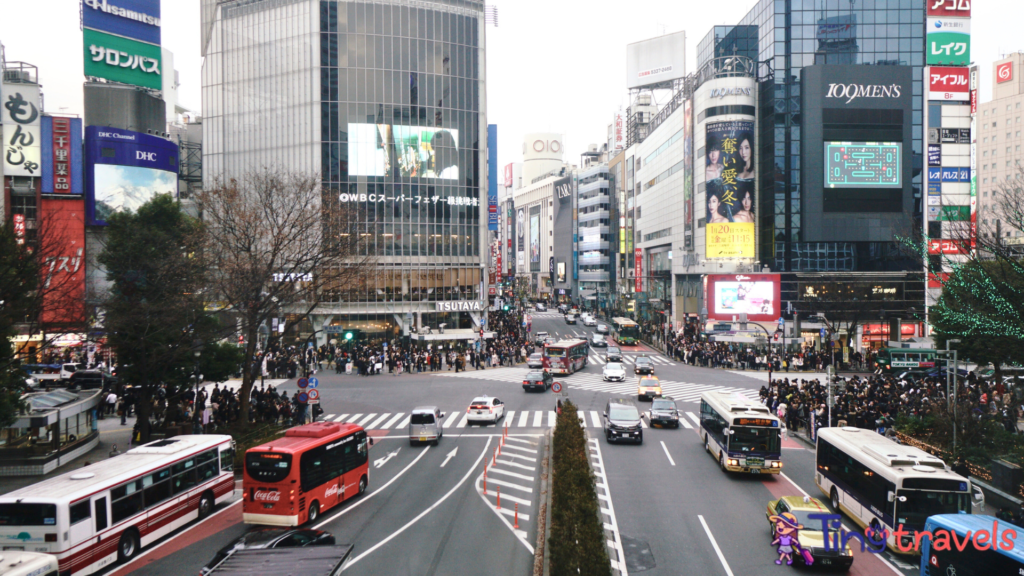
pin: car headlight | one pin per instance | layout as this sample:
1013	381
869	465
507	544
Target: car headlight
776	464
732	462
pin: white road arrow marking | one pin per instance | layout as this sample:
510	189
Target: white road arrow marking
381	461
449	456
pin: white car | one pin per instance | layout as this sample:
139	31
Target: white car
613	371
589	320
602	329
485	410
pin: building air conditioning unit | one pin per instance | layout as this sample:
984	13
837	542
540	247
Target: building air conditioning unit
17	77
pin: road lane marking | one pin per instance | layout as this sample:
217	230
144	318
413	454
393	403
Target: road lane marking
694	418
391	422
512	485
462	423
714	543
511	455
425	512
364	421
375	492
685	423
516	464
341	418
536	418
595	418
377	422
353	419
522	515
522	420
551	419
595	448
494	470
520	448
521	440
508	417
450	456
667	455
451	419
329	416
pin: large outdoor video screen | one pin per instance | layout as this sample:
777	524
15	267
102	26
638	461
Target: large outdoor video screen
408	151
126	188
756	295
125	169
863	164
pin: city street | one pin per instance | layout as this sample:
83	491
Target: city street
424	512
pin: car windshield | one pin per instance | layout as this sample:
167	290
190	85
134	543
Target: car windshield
649	382
422	419
663	405
535	356
534	376
642	360
748	439
613	366
614	350
811	524
620	412
913	507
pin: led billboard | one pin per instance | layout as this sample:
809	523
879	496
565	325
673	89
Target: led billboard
124	170
731	189
407	151
756	295
863	164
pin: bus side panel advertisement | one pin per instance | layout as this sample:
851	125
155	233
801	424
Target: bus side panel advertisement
756	295
124	170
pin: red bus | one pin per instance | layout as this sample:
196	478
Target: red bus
312	469
565	357
92	517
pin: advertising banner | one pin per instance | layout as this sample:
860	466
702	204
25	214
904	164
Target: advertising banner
521	239
756	295
730	181
535	238
63	274
1004	72
492	177
122	60
688	168
22	130
19	228
408	151
618	132
638	271
948	41
124	170
957	8
508	176
934	155
137	19
936	246
62	156
948	83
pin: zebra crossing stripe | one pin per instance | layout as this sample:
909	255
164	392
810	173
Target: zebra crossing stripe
450	419
506	418
364	420
595	418
551	419
694	418
536	419
391	422
685	423
329	416
341	418
405	422
522	419
377	422
462	423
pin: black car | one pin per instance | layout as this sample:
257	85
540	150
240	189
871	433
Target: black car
563	308
613	354
535	361
266	538
570	319
622	421
663	411
598	341
91	380
537	379
643	365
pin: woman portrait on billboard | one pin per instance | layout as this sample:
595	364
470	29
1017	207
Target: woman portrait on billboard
745	191
714	161
746	150
715	209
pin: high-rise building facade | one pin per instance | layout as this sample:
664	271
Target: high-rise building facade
1000	148
385	100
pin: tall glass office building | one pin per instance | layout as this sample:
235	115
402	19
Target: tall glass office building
385	100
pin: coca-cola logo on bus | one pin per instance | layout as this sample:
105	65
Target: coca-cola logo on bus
267	496
331	491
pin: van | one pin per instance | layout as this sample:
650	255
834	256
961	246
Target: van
622	421
66	370
425	425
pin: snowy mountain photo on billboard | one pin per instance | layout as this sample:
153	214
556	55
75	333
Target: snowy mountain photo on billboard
126	188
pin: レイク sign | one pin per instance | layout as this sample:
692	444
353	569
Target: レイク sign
948	83
1004	72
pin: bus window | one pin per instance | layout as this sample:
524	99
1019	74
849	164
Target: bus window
80	512
28	514
101	513
227	459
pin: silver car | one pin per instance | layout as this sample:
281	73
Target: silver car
425	425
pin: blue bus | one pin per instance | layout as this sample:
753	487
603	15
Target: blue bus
1005	559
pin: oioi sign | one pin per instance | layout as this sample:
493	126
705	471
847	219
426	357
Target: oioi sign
122	60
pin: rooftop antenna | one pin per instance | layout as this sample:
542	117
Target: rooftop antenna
491	15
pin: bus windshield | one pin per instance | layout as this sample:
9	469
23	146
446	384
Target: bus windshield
554	352
267	467
913	507
748	439
28	514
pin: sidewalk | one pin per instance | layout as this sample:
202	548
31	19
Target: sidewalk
111	432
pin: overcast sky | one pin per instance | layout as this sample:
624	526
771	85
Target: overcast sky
553	65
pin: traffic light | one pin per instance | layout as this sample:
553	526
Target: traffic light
348	335
505	308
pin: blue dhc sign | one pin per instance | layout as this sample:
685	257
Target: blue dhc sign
138	19
125	169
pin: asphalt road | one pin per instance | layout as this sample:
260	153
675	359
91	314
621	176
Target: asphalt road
673	512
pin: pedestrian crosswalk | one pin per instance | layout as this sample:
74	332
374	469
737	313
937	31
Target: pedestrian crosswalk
507	485
599	358
685	392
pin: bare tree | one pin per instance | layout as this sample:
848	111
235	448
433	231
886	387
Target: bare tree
278	244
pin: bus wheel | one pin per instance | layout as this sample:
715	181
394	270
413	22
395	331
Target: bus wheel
314	512
706	447
835	499
205	505
362	484
129	545
721	461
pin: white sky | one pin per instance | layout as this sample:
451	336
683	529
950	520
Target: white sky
553	65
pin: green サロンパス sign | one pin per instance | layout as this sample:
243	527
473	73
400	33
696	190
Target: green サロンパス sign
122	60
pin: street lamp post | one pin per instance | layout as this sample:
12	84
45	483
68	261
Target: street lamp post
832	363
196	416
952	399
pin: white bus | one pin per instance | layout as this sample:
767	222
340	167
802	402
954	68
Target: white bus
13	563
107	512
882	484
743	435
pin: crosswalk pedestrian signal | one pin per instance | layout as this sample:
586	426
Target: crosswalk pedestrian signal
776	338
348	335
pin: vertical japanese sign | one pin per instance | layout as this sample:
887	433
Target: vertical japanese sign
535	238
729	169
22	133
19	228
520	240
62	156
948	41
492	177
638	276
688	171
974	158
63	273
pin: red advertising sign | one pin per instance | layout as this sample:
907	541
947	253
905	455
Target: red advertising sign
937	280
638	271
876	329
61	155
500	269
1004	72
508	176
62	225
756	295
974	102
946	247
948	8
948	83
19	228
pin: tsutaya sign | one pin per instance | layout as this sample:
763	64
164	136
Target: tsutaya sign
851	92
460	306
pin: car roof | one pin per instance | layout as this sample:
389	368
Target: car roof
642	358
619	364
812	504
424	410
649	377
482	398
621	402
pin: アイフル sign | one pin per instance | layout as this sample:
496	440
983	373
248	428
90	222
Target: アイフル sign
1004	72
948	83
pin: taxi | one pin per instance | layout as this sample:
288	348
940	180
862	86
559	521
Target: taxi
648	388
811	537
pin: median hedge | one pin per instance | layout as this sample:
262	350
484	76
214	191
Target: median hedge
577	544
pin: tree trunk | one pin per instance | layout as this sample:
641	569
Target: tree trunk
143	411
245	390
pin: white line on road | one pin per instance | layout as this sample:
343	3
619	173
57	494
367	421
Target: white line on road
352	419
508	417
509	447
377	422
511	485
495	470
516	464
714	543
536	418
405	422
425	512
595	418
341	418
450	456
694	418
462	423
667	455
365	420
685	423
522	419
451	419
595	446
551	419
375	492
391	422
